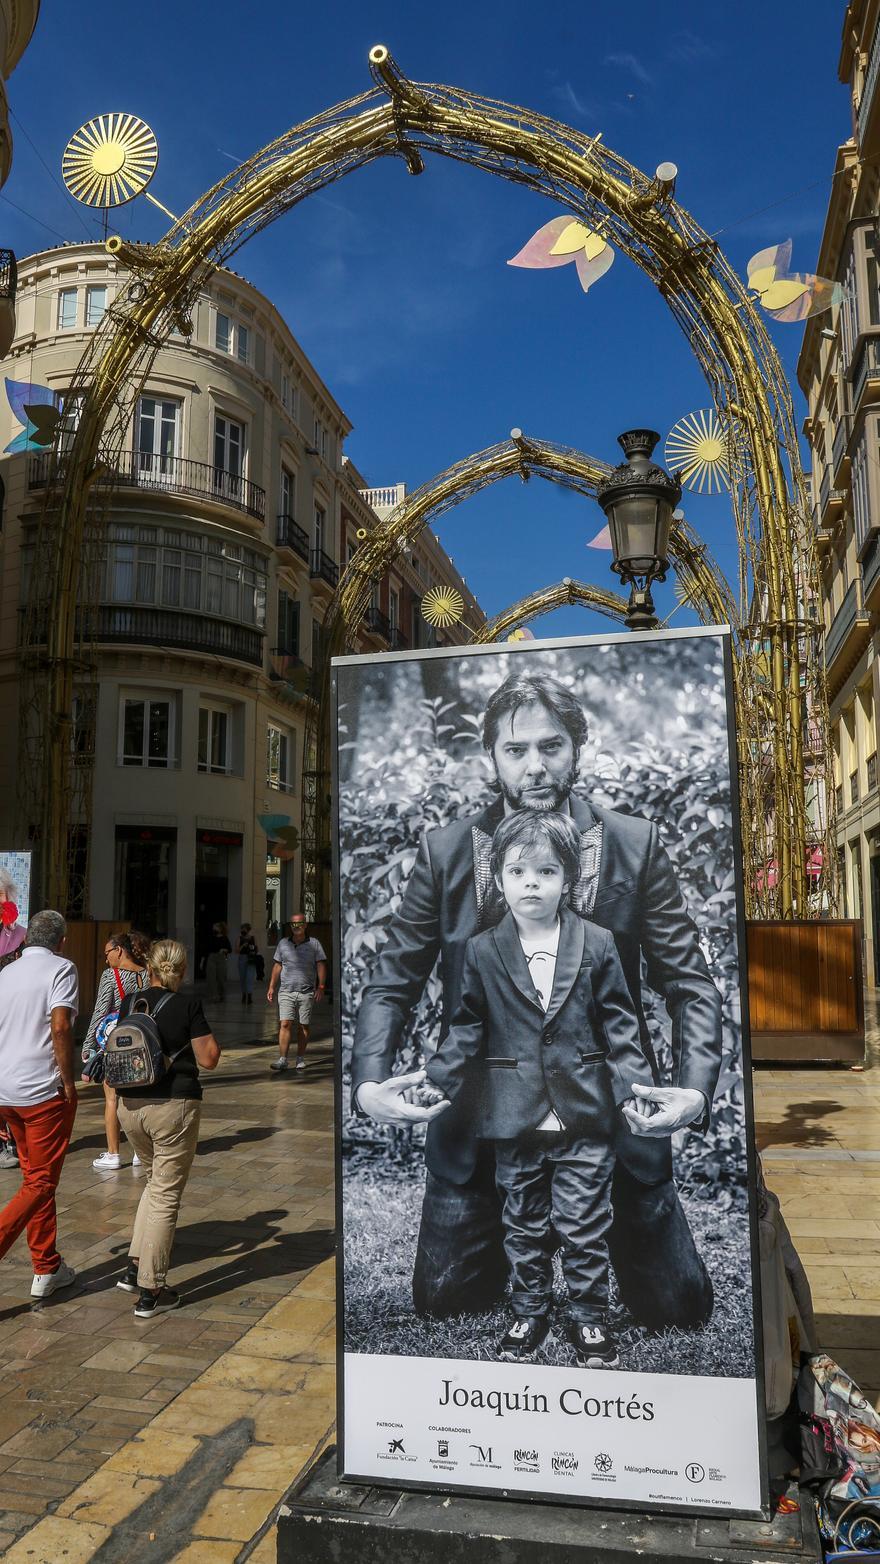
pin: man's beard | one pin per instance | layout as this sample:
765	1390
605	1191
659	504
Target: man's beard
556	798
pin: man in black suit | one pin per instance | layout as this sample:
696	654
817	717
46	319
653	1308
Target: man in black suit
534	730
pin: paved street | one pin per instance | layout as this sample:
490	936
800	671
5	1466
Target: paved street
175	1438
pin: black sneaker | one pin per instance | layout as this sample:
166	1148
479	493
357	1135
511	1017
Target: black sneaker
128	1282
523	1338
150	1303
594	1345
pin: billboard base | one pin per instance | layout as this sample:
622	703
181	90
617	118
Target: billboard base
354	1523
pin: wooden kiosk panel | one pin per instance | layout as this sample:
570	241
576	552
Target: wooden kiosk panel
805	989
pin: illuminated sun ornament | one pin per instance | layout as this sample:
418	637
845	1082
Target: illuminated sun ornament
521	633
110	160
36	409
442	607
788	295
562	240
697	448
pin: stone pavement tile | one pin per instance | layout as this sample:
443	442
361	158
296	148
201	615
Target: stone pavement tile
57	1541
207	1410
266	1551
73	1471
15	1501
40	1439
107	1497
235	1513
154	1453
212	1552
269	1466
119	1356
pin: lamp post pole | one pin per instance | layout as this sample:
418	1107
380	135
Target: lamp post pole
638	499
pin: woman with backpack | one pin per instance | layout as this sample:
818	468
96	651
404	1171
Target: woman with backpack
162	1119
125	973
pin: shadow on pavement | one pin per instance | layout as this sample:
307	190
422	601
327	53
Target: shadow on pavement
801	1126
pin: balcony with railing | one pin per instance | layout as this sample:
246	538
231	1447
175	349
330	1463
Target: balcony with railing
838	450
865	368
168	475
291	536
869	89
377	622
399	641
323	568
386	497
8	286
136	624
870	558
847	636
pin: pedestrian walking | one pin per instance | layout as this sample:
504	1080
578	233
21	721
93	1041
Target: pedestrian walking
299	972
38	1004
125	972
162	1123
215	962
248	956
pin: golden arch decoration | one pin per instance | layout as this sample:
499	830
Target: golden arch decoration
563	594
639	214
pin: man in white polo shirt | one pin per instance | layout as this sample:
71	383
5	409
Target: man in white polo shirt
38	1004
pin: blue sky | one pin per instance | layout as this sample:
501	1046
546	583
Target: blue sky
397	287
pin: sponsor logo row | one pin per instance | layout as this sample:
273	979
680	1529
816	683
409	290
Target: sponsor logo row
451	1454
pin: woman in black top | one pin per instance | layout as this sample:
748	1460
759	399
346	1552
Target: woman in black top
162	1123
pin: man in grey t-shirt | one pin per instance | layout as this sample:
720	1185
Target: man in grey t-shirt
299	972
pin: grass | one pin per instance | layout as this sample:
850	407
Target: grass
382	1205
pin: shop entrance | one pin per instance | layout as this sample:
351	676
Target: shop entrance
213	851
143	872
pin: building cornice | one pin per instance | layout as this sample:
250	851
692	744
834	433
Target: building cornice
21	19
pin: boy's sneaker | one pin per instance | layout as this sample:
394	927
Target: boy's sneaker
128	1281
150	1303
300	1066
523	1338
108	1162
135	1161
594	1345
9	1158
44	1286
280	1064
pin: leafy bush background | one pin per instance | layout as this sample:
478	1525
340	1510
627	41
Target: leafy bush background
410	760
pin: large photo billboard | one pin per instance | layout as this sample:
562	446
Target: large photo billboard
546	1176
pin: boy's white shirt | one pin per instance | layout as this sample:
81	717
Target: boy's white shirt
540	951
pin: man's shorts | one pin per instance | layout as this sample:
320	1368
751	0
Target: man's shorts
294	1005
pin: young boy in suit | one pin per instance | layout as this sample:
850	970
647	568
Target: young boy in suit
547	1039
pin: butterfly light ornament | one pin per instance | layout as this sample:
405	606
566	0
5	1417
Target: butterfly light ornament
562	241
786	295
36	409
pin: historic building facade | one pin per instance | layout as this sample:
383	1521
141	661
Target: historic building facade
233	509
839	372
18	18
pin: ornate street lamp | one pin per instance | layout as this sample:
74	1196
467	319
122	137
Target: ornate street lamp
638	499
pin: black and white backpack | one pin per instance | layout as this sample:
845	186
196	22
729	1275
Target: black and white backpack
133	1053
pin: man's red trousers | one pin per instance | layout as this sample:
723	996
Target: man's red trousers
42	1135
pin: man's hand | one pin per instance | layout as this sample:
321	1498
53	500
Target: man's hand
661	1110
70	1092
388	1102
270	995
319	991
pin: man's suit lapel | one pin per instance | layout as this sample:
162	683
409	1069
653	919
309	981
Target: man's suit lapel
511	952
569	956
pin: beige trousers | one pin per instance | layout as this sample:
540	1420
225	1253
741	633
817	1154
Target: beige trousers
165	1136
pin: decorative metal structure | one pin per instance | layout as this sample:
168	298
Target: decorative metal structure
639	215
110	160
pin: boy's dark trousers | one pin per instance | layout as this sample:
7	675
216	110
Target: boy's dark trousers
554	1187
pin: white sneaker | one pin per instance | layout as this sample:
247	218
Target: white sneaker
280	1064
300	1065
135	1161
107	1162
42	1286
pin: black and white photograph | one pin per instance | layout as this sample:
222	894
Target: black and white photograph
544	1128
